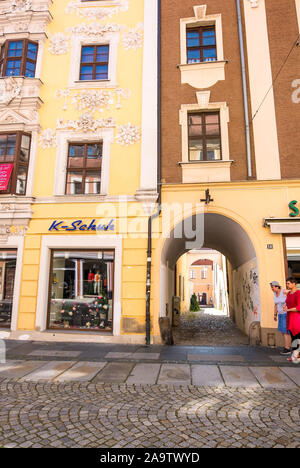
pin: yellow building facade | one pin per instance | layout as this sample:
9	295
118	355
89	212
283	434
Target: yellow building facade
78	236
79	127
252	225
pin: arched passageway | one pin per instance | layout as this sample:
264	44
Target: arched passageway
223	234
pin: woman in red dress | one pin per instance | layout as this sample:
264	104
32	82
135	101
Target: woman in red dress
293	314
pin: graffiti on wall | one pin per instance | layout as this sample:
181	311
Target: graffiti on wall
247	300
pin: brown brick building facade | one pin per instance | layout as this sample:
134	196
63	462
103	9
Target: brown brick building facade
283	30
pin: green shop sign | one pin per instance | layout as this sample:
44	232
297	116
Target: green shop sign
294	210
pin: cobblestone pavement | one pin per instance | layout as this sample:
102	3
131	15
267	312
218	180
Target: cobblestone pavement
202	329
157	416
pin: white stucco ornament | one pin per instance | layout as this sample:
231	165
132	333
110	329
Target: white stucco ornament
92	100
19	5
9	90
254	3
59	44
128	134
85	123
47	139
133	39
94	30
63	93
122	93
99	12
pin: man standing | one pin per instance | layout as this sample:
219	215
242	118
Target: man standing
281	315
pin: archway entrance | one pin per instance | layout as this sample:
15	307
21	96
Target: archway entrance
228	294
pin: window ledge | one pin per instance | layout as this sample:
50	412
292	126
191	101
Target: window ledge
13	198
204	74
221	162
93	84
205	171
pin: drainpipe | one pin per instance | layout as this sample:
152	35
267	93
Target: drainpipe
158	211
245	94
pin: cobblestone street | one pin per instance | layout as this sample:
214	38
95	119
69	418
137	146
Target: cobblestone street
203	329
93	395
93	415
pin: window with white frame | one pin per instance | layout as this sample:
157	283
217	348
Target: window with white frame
94	63
18	58
83	163
193	274
201	49
84	168
204	273
201	44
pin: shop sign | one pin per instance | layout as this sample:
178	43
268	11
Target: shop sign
5	173
79	225
294	210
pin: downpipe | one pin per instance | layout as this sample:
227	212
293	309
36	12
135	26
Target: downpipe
245	94
158	211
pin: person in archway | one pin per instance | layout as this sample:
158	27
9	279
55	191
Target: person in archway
281	316
293	314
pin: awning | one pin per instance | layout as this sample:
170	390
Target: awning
283	225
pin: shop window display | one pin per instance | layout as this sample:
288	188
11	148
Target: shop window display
81	291
8	260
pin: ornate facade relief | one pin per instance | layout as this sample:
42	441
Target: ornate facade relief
26	120
20	95
47	138
24	15
94	30
59	44
85	123
9	90
15	215
128	134
94	100
99	12
134	38
63	93
19	5
7	230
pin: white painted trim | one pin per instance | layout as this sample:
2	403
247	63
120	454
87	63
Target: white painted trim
78	242
31	166
99	3
63	138
85	199
16	242
148	179
111	39
260	79
39	60
206	106
298	12
40	39
208	20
